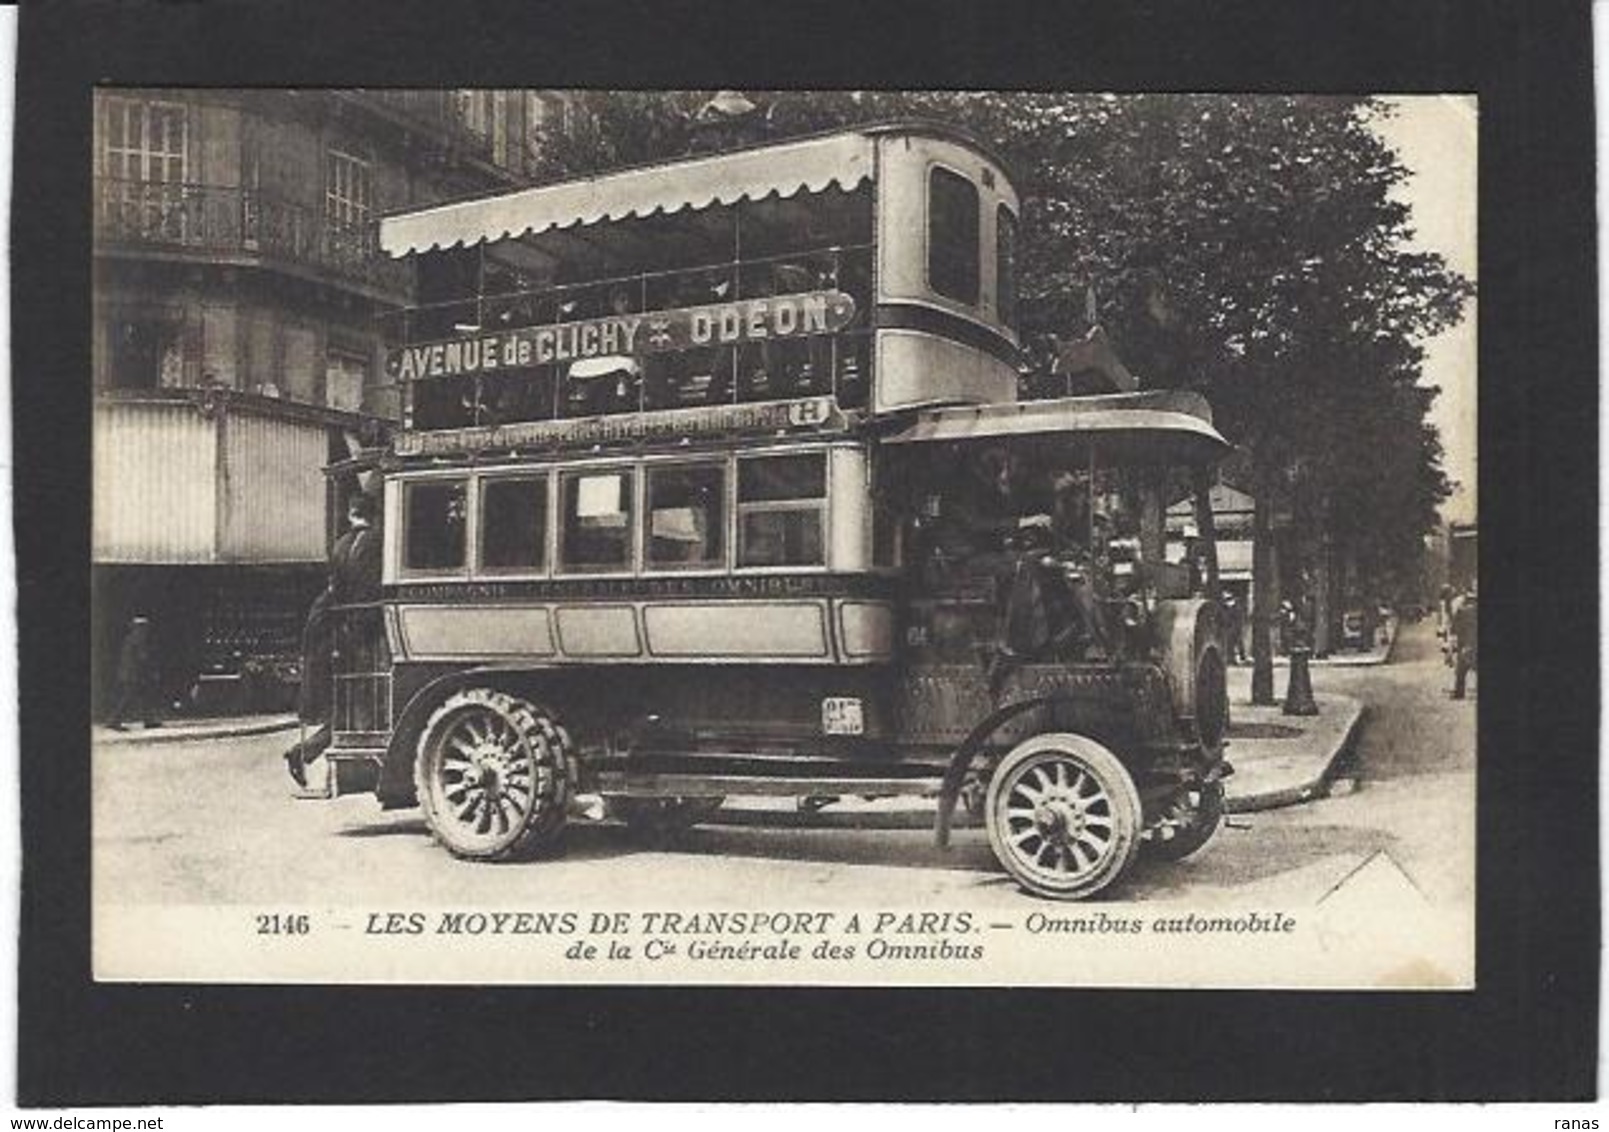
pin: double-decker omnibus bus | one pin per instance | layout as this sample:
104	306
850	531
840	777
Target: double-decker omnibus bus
713	481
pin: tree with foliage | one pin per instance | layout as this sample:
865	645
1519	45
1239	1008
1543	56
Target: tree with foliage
1251	247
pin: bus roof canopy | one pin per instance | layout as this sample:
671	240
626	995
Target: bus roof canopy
1160	427
812	165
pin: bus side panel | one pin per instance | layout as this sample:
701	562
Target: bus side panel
940	704
610	709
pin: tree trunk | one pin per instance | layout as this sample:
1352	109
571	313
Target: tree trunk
1264	590
1207	528
1323	607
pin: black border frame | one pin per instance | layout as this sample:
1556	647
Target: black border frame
1528	1032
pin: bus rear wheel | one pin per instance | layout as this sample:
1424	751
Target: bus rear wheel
1063	816
492	774
1191	818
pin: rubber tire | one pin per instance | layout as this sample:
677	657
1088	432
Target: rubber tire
1211	677
1209	815
1123	800
540	738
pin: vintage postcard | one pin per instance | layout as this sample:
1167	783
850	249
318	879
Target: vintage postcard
550	536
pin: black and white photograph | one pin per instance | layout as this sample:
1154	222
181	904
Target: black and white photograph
786	537
712	553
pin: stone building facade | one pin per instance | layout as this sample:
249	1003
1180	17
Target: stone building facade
238	295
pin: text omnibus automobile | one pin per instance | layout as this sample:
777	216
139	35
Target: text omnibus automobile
671	519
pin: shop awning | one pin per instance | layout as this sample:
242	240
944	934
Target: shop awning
813	165
1161	427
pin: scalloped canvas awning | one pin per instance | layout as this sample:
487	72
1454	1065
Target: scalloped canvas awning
844	160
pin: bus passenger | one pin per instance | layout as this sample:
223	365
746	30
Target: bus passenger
354	577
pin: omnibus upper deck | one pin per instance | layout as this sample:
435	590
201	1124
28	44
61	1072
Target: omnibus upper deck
874	266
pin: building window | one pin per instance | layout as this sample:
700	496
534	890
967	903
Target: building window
1005	287
597	521
513	523
435	518
952	236
345	377
781	504
145	141
146	354
347	199
687	517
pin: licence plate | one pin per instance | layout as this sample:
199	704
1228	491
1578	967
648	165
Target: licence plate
842	715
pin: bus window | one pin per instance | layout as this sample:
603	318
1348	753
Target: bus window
686	517
434	525
513	523
1005	287
952	236
597	521
780	505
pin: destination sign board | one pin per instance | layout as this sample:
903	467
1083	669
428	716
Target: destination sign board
686	328
666	424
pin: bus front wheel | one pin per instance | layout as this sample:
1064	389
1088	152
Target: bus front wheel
1063	816
492	774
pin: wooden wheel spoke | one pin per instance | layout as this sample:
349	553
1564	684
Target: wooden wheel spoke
1096	845
1020	807
1022	790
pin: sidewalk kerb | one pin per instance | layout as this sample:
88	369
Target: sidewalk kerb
105	736
1315	787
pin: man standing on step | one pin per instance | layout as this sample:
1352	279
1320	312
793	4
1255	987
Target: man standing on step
354	578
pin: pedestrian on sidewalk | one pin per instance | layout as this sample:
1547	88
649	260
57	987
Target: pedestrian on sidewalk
1285	627
1464	627
138	680
1444	618
1234	629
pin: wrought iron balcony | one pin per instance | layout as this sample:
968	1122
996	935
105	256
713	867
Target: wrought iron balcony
235	223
